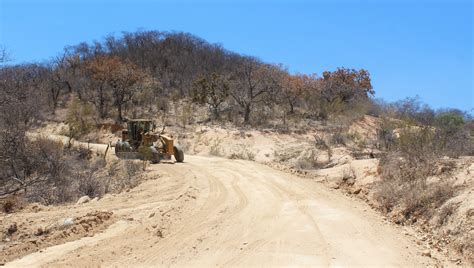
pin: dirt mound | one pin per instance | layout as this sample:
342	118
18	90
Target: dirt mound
30	235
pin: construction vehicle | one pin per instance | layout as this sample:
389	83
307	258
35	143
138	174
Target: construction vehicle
140	140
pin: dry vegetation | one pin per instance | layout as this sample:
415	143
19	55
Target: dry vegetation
228	105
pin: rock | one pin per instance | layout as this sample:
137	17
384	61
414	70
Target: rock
67	222
426	253
83	200
95	199
12	228
151	215
159	234
39	231
356	191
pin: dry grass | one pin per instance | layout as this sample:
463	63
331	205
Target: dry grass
242	152
405	187
215	148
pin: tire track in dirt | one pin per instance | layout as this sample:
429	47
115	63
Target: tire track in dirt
236	213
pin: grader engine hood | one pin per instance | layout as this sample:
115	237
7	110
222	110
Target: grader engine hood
169	143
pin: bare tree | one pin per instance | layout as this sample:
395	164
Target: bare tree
121	79
254	83
20	104
59	77
3	54
212	90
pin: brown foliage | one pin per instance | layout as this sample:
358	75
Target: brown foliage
122	78
346	85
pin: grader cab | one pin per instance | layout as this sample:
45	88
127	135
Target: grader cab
140	140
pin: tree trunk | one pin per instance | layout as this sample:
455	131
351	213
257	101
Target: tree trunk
292	106
247	114
215	111
102	111
119	111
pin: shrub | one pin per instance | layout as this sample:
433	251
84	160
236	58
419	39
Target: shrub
215	147
386	136
12	203
404	184
242	152
338	137
79	119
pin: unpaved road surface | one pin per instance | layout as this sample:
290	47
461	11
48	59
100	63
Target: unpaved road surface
221	212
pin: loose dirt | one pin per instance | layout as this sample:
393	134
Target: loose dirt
215	211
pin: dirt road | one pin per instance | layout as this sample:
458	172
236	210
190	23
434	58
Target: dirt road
215	211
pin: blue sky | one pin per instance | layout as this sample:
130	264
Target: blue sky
416	47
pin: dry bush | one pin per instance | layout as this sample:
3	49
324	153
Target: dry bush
386	139
304	164
123	174
184	113
242	152
79	119
311	159
338	137
320	143
412	158
215	148
445	212
404	186
45	172
12	203
286	154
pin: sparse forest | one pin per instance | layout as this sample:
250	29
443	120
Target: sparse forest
179	80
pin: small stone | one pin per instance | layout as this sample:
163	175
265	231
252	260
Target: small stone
426	253
159	234
12	228
67	222
151	215
83	200
356	191
39	231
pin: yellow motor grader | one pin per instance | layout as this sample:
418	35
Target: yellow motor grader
140	140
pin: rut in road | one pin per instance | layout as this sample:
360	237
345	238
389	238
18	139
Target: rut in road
215	211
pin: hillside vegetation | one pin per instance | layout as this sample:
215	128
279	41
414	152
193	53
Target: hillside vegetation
197	88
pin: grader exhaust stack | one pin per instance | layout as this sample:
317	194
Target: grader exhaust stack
139	140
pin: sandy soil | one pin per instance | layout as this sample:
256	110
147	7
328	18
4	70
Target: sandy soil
215	211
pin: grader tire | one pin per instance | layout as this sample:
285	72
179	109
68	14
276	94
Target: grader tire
178	154
155	159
